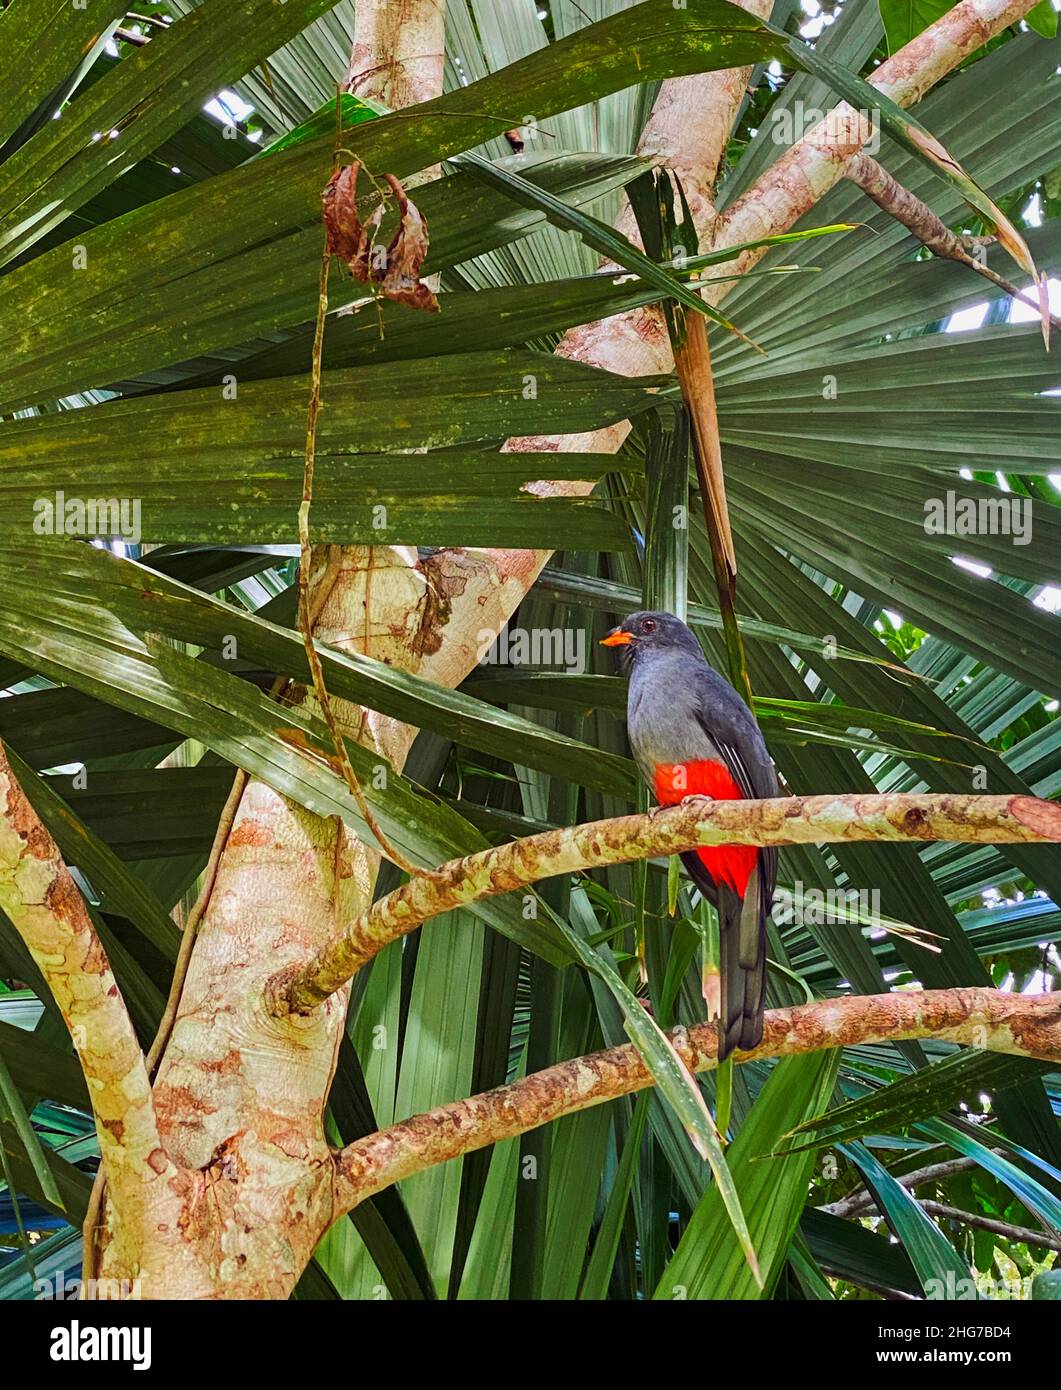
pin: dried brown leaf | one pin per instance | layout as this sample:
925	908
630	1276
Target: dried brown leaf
406	254
395	269
346	236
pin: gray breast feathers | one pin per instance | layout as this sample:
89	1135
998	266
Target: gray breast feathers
663	720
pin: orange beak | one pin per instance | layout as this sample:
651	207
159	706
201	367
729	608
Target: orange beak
617	638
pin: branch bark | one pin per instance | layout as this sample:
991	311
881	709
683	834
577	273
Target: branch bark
398	54
1022	1234
688	130
861	1199
49	913
1027	1026
697	821
806	172
241	1098
919	219
240	1094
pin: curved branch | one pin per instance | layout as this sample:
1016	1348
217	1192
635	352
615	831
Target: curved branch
698	821
930	230
1028	1026
690	124
46	909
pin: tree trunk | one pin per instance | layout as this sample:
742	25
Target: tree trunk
240	1098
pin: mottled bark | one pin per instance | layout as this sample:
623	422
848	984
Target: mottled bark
399	50
807	171
44	905
919	219
240	1098
1026	1026
697	821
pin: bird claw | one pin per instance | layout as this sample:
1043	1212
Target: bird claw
685	801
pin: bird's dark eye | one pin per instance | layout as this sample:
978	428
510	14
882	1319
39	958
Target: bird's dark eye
648	625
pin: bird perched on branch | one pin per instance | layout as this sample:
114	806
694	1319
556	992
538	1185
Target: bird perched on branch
692	735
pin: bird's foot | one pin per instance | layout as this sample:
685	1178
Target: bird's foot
698	797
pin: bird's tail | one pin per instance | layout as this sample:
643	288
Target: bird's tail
742	951
742	965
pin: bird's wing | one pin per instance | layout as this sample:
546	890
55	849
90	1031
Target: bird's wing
732	728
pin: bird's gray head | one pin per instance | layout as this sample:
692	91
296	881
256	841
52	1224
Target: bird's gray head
643	635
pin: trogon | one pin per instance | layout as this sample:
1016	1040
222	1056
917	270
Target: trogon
692	735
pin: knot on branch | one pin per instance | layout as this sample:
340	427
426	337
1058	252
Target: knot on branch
283	1000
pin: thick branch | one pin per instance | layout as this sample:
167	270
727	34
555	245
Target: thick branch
42	901
689	128
240	1101
1028	1026
806	172
698	821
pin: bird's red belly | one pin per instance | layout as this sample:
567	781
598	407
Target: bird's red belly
730	864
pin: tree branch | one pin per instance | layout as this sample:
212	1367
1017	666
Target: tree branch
241	1101
689	128
919	219
1028	1026
806	172
698	821
46	909
1022	1234
861	1198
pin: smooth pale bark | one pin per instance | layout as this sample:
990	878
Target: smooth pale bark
240	1099
807	171
240	1095
399	51
988	1019
688	130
